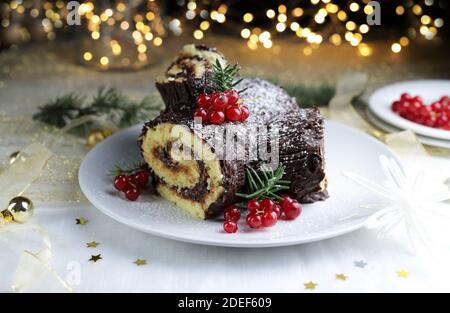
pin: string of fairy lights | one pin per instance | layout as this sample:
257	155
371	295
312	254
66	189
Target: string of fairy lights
116	25
313	21
120	25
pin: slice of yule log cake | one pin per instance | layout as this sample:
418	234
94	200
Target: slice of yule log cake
187	76
192	166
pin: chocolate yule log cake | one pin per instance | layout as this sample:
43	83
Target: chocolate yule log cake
189	163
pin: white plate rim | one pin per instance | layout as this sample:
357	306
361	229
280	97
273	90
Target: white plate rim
392	129
383	110
274	242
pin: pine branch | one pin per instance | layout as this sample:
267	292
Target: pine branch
60	111
108	102
265	183
309	96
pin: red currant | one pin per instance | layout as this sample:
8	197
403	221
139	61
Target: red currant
253	205
230	227
203	100
442	120
424	110
216	117
233	96
418	99
232	213
286	198
233	113
141	178
269	219
396	106
277	209
201	113
220	102
254	220
213	96
291	209
447	110
430	121
132	194
420	120
436	107
267	205
405	96
403	107
244	113
121	182
444	99
414	107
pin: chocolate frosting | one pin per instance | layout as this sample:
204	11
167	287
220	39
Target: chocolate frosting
300	139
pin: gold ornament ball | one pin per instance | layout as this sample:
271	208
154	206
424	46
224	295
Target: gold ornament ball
95	136
7	216
21	209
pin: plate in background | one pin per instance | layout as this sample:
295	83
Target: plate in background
430	90
392	129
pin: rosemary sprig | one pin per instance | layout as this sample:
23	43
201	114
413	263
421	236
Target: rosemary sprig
265	183
127	169
224	77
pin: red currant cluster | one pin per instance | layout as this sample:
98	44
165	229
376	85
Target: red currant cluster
264	213
436	115
218	107
130	184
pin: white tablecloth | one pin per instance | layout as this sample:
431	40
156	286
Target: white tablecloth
181	267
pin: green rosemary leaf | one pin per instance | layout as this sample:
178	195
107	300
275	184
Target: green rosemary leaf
258	179
126	169
264	183
223	77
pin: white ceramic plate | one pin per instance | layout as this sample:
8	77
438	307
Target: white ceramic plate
392	129
346	149
430	90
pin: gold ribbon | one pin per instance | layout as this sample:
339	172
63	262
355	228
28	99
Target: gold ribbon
14	180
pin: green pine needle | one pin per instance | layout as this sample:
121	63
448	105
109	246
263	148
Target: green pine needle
308	95
108	102
265	183
60	111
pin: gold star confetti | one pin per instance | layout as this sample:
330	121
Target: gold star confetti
92	244
95	258
140	262
81	221
402	273
341	276
310	285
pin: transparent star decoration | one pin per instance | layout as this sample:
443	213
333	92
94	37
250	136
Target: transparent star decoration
411	199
